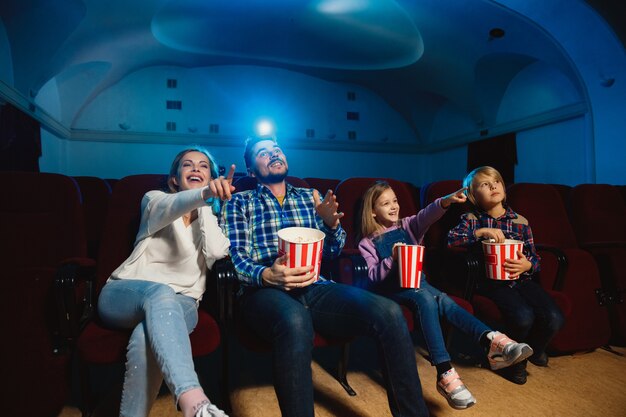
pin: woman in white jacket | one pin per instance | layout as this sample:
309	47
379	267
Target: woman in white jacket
156	291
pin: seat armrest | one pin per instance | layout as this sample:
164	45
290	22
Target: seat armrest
561	261
225	285
74	297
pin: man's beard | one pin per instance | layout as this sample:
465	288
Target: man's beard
271	178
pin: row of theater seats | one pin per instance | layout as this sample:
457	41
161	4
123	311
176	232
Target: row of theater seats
64	236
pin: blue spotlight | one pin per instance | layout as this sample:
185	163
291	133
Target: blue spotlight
265	128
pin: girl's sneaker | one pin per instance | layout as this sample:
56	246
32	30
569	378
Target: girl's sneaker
505	352
209	410
454	391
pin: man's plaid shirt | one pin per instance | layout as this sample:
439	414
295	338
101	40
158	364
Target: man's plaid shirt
252	219
513	225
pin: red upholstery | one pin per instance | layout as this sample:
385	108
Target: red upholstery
622	190
564	191
588	325
349	194
322	184
599	219
98	344
41	223
249	183
96	194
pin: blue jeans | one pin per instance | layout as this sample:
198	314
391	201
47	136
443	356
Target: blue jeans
289	319
430	306
530	314
159	346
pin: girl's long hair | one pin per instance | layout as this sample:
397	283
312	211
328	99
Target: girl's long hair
369	225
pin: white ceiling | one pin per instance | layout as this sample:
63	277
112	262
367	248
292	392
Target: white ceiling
407	51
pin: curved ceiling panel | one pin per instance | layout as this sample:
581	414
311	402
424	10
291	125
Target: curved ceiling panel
342	34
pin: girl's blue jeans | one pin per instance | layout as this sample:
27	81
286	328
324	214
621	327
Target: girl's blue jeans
429	306
159	346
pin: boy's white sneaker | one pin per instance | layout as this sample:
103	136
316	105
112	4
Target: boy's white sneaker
504	351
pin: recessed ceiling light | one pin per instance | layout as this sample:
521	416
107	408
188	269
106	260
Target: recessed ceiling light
496	33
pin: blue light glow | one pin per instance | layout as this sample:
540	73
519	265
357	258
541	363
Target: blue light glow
265	127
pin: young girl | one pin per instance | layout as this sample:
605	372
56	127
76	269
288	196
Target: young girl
530	313
156	291
384	228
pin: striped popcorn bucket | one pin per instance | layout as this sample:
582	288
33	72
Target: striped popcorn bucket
410	260
304	246
497	253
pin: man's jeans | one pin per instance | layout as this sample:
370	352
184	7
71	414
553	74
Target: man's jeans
289	319
159	346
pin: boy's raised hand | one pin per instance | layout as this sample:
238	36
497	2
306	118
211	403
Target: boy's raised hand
458	196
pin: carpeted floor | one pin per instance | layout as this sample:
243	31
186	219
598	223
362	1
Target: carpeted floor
590	384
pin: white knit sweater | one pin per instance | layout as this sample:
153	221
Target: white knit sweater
169	252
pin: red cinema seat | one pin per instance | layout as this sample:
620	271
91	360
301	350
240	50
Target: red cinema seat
598	216
587	324
42	234
322	184
95	193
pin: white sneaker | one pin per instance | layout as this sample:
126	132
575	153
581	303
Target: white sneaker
505	352
455	391
210	410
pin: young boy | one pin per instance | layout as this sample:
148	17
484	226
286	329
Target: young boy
530	314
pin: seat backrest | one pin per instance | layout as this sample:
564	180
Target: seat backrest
322	184
41	219
542	205
350	193
122	221
598	214
42	225
249	183
96	194
437	235
564	192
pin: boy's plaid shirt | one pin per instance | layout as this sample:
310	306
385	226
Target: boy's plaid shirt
252	219
509	223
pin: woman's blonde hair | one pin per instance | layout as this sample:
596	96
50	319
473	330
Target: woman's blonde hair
369	225
175	169
486	171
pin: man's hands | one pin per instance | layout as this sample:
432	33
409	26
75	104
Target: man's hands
516	267
280	276
456	197
220	187
327	209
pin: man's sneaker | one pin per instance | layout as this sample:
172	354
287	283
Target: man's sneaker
209	410
505	352
454	391
515	373
539	360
